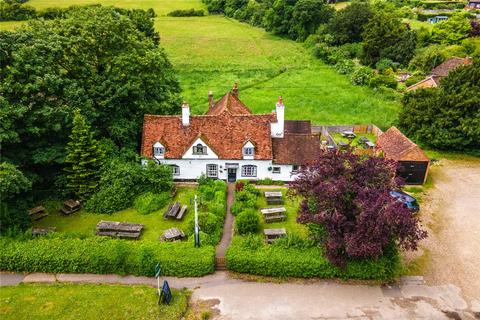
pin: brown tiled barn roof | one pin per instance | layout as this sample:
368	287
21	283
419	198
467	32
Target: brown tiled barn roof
295	148
298	126
448	65
397	146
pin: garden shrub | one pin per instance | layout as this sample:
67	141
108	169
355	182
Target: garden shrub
383	64
294	240
100	255
276	261
121	182
414	79
186	13
248	221
361	76
345	66
268	182
352	50
381	80
149	202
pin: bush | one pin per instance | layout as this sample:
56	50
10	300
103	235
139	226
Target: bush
352	50
345	66
248	221
361	76
149	202
385	64
276	261
381	80
122	181
294	240
186	13
414	79
104	255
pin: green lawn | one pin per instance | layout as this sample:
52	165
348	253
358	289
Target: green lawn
292	205
338	137
417	24
88	301
213	52
84	223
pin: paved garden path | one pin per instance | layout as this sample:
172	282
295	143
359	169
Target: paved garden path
237	299
227	228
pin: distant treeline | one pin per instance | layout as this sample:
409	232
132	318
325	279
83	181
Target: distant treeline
296	19
17	10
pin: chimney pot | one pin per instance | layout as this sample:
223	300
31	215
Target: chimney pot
211	102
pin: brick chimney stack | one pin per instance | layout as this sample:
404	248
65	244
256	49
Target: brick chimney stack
211	102
235	89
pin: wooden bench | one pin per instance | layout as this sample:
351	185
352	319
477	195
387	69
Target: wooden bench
176	211
172	234
273	234
37	231
37	213
274	214
123	230
70	206
274	197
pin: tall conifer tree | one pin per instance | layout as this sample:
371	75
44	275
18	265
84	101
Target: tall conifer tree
84	158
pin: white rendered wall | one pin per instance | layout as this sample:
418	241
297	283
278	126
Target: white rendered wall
192	168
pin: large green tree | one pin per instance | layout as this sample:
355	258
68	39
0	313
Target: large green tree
385	36
104	61
347	25
447	117
84	159
453	30
307	16
13	202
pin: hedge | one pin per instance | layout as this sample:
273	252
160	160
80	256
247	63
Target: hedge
276	261
105	255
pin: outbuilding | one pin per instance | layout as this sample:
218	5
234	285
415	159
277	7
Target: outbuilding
413	163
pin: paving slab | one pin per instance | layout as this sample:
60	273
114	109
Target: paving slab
88	278
38	277
11	279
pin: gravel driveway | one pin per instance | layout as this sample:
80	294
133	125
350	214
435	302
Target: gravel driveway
452	214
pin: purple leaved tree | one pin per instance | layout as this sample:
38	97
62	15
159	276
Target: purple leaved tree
348	196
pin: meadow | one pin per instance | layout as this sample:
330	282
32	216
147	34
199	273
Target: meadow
213	52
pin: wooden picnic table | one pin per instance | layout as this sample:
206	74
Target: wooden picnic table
70	206
274	214
349	134
176	211
37	213
172	234
36	231
273	234
124	230
274	197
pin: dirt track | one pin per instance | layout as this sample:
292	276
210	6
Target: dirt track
452	215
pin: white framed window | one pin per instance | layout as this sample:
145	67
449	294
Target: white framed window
276	170
248	151
158	150
175	170
249	171
212	170
295	168
199	149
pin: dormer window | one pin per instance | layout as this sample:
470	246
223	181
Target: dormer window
158	150
248	151
199	149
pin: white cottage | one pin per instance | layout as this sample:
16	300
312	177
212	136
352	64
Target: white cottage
229	142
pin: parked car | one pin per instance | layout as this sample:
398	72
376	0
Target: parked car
409	201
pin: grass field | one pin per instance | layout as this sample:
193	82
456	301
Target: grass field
416	24
291	205
84	223
213	52
69	301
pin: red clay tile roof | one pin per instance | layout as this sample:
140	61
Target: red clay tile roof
229	102
295	148
224	133
397	146
448	65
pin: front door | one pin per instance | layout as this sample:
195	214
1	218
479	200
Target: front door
232	174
